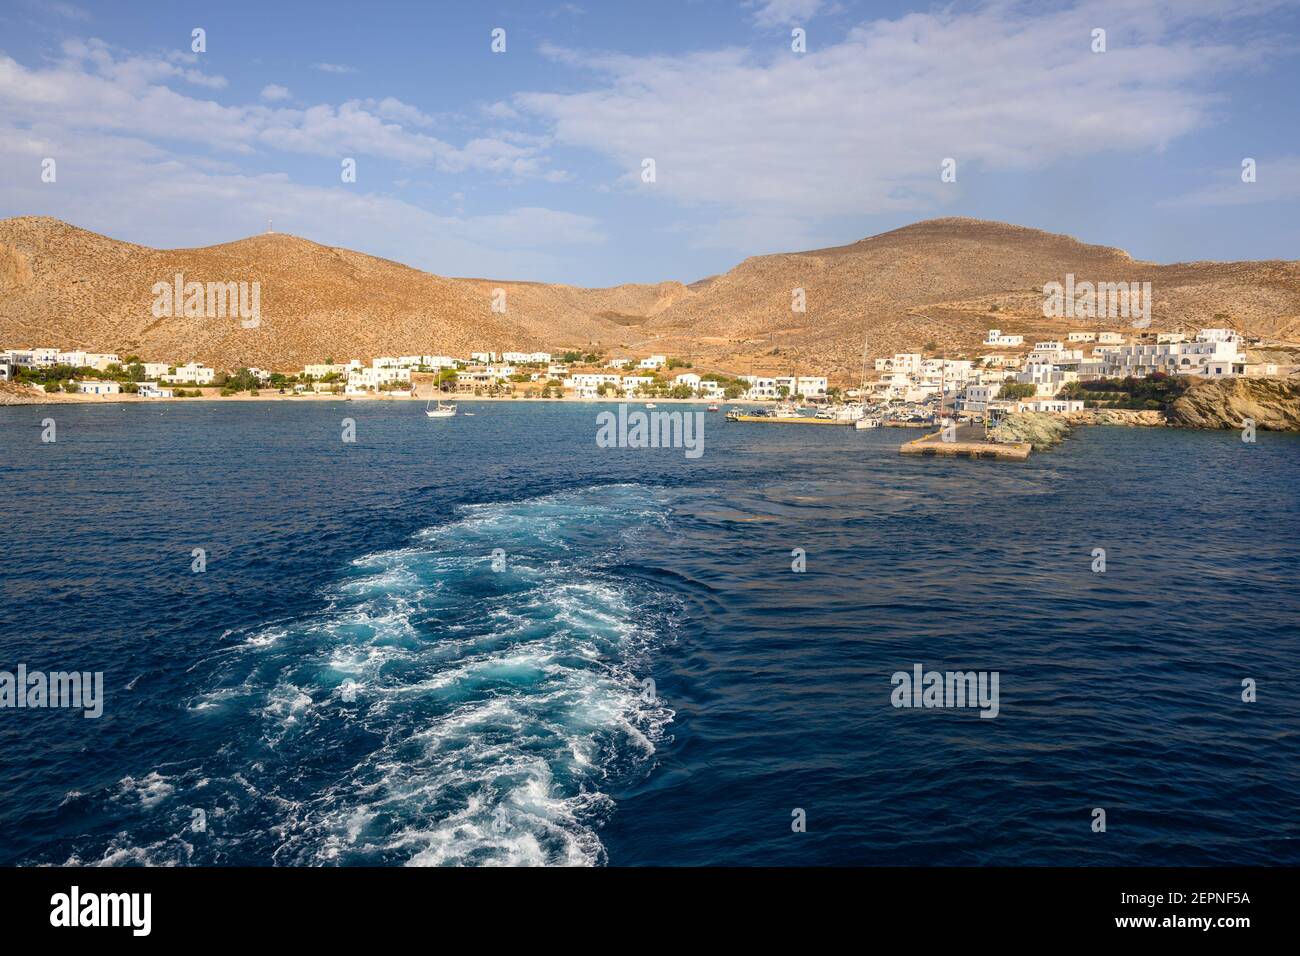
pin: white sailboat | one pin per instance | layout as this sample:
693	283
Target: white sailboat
865	420
442	411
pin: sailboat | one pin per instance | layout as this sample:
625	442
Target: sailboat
442	411
865	421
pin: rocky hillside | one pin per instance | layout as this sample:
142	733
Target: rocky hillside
1273	404
942	282
946	281
67	287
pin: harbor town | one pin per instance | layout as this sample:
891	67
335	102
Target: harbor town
1084	369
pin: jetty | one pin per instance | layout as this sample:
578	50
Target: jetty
969	443
789	419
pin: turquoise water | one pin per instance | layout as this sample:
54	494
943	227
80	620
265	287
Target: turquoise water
485	640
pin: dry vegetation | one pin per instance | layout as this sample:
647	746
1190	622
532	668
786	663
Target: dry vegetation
943	281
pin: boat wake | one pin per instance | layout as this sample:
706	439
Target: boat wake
471	699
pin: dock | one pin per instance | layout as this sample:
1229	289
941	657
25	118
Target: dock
793	420
969	443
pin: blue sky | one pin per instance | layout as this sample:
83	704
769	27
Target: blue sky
527	164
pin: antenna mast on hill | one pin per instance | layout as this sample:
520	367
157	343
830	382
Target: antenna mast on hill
270	225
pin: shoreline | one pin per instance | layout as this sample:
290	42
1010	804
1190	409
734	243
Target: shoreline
125	399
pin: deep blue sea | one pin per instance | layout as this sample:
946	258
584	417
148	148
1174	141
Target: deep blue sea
434	645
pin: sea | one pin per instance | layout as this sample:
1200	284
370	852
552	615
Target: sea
488	640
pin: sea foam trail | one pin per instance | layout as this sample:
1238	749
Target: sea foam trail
439	711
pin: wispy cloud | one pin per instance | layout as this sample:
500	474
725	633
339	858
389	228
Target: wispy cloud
1276	180
95	88
861	126
775	13
334	68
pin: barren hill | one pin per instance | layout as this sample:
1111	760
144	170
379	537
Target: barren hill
67	287
946	281
942	281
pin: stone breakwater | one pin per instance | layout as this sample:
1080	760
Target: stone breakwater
1044	430
1118	416
1040	429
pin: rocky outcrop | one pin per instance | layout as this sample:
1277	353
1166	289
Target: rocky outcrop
1118	416
1038	428
1273	404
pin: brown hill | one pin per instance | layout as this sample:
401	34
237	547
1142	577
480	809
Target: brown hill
942	281
946	281
67	287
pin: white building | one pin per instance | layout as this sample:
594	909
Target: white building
976	398
156	370
1218	335
653	361
483	358
631	383
325	369
995	337
372	379
192	374
526	358
1046	378
1214	357
154	390
1110	338
1081	337
811	386
1058	406
99	388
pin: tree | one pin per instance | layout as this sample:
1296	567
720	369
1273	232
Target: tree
1017	390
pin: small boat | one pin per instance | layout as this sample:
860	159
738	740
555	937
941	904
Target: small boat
867	423
651	405
713	408
442	411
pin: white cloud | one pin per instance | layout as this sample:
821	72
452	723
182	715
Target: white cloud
136	192
273	91
775	13
334	68
860	126
94	89
1276	180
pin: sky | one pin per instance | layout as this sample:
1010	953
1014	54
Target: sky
529	162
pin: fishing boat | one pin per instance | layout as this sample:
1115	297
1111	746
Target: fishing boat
651	405
713	408
867	423
442	411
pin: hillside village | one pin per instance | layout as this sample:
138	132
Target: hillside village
1054	376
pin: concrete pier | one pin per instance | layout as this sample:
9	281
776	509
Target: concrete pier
969	443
